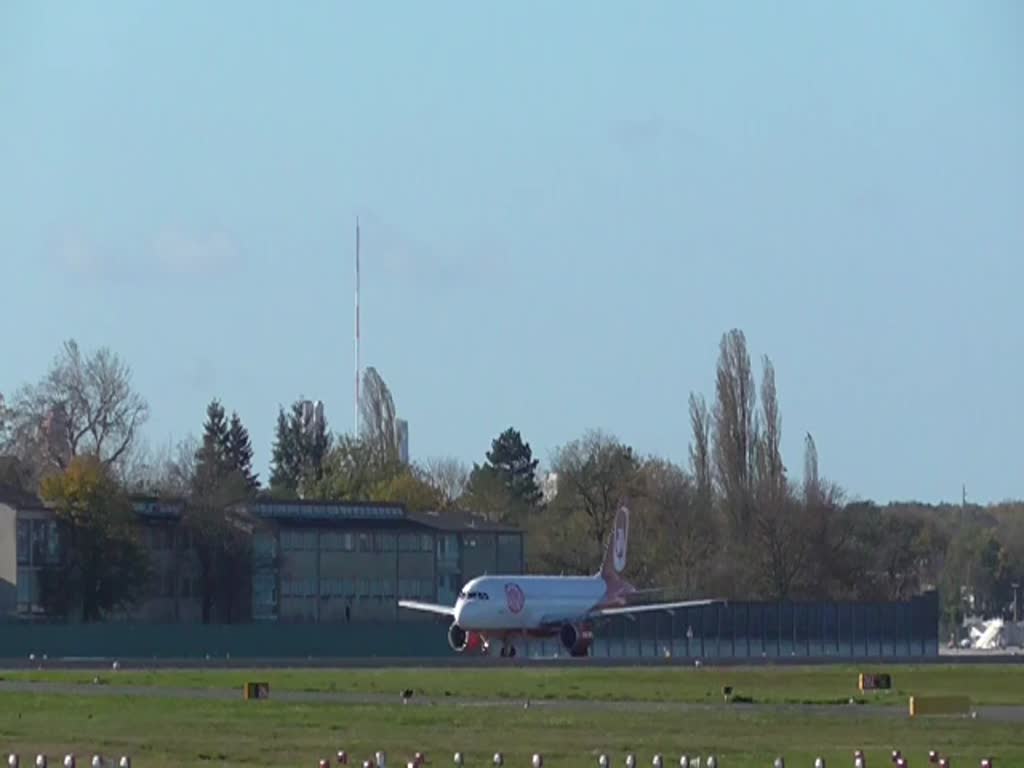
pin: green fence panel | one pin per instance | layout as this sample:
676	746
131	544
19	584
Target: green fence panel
726	631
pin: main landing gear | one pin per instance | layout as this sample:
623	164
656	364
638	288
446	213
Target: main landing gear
508	650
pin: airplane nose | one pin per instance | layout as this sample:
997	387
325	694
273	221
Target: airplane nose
460	610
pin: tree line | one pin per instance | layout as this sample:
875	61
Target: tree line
730	523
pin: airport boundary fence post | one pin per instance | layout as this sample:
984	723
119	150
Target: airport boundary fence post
672	632
909	621
778	629
869	629
688	634
851	645
808	622
838	617
747	633
764	617
732	612
703	622
656	634
881	621
720	615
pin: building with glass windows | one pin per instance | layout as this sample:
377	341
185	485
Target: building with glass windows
310	561
29	543
329	562
174	593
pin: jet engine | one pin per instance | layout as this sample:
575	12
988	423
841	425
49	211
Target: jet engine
460	640
575	639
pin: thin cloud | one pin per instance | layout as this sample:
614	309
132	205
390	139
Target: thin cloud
177	252
201	374
638	133
645	134
170	253
394	250
76	253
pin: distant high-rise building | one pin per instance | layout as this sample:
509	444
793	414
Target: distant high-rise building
402	437
312	415
55	434
549	486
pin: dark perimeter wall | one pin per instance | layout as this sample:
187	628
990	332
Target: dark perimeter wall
733	630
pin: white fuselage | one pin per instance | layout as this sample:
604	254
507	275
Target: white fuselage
524	603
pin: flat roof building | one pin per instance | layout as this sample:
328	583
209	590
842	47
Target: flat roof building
309	561
28	543
315	561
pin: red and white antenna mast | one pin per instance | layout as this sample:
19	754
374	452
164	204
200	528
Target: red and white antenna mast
356	435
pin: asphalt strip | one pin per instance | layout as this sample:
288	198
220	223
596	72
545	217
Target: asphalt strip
990	713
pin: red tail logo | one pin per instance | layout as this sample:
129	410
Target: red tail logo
621	532
514	597
615	558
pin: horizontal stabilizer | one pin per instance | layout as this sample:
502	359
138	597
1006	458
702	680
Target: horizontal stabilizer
415	605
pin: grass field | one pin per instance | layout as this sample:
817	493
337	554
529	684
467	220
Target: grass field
988	685
163	732
160	733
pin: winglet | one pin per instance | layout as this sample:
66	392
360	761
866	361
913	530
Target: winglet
614	564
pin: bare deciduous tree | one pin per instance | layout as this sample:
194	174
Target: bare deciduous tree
812	487
167	471
700	449
141	469
734	435
449	476
830	571
675	532
784	531
560	541
783	540
595	476
5	421
85	405
180	471
350	471
13	473
771	472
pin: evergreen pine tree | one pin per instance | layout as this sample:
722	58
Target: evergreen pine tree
212	458
284	469
296	440
239	452
221	479
299	451
513	461
314	443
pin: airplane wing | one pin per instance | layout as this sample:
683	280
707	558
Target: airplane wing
416	605
622	610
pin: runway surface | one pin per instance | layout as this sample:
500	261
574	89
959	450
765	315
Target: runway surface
463	662
990	713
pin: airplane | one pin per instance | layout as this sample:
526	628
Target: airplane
506	607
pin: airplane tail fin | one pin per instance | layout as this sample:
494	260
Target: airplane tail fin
614	565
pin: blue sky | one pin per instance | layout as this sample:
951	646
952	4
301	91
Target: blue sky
563	207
